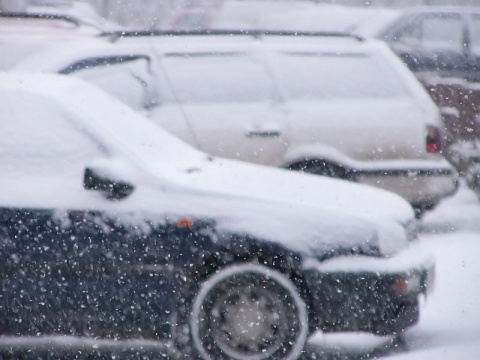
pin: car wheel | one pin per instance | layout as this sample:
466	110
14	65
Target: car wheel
420	210
323	168
249	312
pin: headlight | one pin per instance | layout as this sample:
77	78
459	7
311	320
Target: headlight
411	283
392	238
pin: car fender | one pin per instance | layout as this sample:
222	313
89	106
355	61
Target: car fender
317	151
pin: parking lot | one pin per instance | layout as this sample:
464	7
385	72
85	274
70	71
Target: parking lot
188	192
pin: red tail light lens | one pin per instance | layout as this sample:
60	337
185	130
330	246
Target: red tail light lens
434	139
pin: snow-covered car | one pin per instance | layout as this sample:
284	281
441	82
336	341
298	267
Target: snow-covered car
292	15
349	109
23	34
113	230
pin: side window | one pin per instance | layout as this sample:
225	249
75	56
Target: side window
475	33
443	33
218	78
40	144
434	32
129	78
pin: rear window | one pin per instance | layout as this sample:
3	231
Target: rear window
330	76
219	78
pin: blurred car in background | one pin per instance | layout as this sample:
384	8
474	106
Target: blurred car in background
444	40
331	105
113	231
23	34
440	40
30	27
442	46
274	15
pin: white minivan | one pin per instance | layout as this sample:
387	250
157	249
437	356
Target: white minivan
332	105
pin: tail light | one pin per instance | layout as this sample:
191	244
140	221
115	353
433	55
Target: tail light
434	139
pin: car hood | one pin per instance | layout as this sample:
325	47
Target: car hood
306	213
244	180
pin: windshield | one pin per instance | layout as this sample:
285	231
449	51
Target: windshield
305	76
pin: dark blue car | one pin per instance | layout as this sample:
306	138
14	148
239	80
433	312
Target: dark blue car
115	234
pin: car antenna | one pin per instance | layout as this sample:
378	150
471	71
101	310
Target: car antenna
179	103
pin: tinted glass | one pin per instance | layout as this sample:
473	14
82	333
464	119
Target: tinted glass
219	78
443	32
126	77
330	76
475	33
432	32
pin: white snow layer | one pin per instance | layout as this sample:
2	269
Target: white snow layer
306	213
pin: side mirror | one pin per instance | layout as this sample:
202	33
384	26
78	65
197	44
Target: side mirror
111	189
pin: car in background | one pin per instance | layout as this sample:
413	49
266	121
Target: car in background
273	15
113	230
441	45
235	95
444	40
22	34
440	39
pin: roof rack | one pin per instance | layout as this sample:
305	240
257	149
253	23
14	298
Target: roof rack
41	16
115	35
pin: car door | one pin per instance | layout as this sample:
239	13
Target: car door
431	42
229	102
69	264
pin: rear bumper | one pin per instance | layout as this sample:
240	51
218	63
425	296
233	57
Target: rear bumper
374	295
419	186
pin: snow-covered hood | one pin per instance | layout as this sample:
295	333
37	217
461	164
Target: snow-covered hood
246	180
306	213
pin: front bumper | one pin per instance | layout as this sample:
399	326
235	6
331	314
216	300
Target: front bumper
375	295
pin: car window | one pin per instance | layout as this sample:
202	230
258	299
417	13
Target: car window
335	76
443	32
475	33
219	78
41	142
434	32
127	77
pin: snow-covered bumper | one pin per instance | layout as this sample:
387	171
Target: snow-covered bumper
418	185
375	295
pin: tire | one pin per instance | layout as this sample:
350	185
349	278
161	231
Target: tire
323	168
223	321
421	209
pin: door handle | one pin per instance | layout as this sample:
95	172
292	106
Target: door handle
262	133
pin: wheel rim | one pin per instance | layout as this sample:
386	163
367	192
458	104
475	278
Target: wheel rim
249	312
248	320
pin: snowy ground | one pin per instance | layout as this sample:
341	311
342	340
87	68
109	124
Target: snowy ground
450	322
